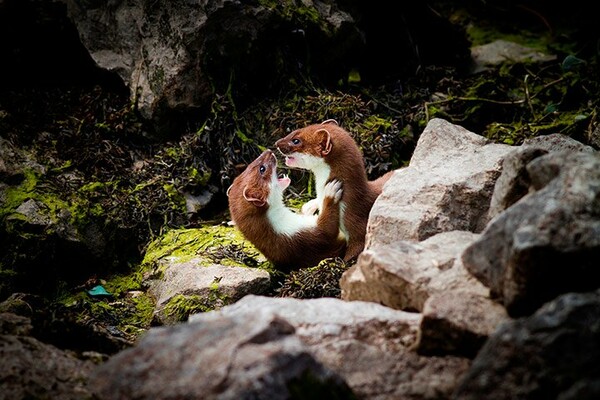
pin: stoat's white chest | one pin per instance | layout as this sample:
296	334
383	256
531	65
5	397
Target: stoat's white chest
284	220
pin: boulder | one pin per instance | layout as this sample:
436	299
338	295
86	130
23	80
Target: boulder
547	243
447	186
247	356
553	354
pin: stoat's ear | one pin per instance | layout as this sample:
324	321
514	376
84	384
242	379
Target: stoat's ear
324	141
330	121
229	190
253	198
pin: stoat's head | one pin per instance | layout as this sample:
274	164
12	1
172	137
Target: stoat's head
259	185
307	147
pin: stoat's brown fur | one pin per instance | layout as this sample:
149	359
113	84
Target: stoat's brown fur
288	239
331	153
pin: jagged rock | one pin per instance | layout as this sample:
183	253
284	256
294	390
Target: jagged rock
366	343
458	323
548	243
404	274
557	142
552	354
172	54
247	356
447	186
318	321
31	369
514	181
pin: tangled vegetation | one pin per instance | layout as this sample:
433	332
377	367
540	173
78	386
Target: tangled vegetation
322	280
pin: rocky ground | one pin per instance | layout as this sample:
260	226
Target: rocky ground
96	183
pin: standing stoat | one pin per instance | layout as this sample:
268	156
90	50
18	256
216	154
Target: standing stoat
288	239
331	153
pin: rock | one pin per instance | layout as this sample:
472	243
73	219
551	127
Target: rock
13	324
557	142
514	181
458	323
552	354
322	320
403	275
248	356
502	51
548	242
31	369
172	55
202	269
202	285
447	186
369	345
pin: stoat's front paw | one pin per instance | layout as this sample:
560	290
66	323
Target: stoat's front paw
310	207
334	189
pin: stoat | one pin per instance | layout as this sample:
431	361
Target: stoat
331	153
288	239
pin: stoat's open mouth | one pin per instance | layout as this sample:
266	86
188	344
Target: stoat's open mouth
283	180
289	159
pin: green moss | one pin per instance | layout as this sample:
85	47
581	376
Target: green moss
176	198
129	309
180	307
291	10
220	243
173	152
200	178
76	208
94	187
14	196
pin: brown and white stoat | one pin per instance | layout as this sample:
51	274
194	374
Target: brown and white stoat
331	153
288	239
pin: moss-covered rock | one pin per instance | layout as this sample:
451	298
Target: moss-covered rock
196	270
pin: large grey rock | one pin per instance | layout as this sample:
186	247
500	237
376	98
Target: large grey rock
173	54
447	186
403	275
368	344
552	354
548	243
514	181
246	356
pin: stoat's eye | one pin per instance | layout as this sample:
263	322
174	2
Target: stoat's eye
295	141
262	169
